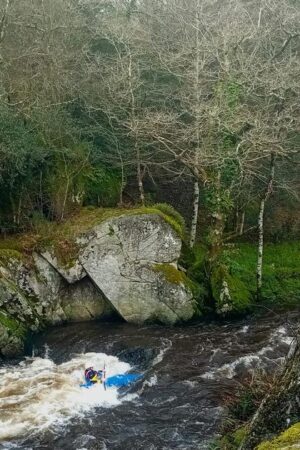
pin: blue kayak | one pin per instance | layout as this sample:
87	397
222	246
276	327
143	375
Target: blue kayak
117	380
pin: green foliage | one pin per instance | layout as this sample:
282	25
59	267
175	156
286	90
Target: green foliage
241	404
218	200
7	254
229	92
237	267
48	169
21	156
103	187
194	261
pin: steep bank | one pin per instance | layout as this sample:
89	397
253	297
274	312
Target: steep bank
276	424
99	264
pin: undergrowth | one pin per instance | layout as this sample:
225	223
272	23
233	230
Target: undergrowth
241	404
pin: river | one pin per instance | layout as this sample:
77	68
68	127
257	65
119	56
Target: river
178	404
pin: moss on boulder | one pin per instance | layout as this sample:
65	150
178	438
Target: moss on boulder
288	440
12	335
172	274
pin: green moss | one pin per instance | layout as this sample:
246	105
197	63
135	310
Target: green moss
8	254
13	326
175	276
172	275
239	299
286	440
171	213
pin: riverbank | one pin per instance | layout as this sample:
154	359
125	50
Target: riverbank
281	276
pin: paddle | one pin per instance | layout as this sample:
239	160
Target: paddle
104	377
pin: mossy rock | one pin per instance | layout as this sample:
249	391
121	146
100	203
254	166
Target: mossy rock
61	237
13	326
172	275
289	439
12	335
175	276
229	292
172	214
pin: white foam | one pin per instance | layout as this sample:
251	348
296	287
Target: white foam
252	360
166	345
229	370
151	382
38	394
245	329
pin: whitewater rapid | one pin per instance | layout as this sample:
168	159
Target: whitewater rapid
187	370
38	395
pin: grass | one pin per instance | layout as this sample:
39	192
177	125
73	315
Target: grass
281	275
281	271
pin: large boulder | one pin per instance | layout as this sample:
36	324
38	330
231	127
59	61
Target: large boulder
121	259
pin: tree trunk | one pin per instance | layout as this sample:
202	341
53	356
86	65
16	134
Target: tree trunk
3	21
269	190
242	224
13	207
65	200
19	209
140	175
195	215
237	219
197	94
217	229
260	247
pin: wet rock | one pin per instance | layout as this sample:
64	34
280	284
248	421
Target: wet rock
82	301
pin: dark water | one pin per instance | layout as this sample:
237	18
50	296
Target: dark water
187	371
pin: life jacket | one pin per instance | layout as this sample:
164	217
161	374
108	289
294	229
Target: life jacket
90	374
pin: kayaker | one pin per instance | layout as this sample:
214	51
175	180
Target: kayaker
93	376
